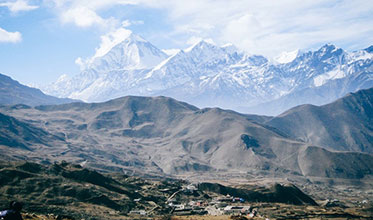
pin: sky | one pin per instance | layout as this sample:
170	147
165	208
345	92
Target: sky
43	39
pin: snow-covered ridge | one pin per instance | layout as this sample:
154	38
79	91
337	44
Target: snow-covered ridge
210	75
287	57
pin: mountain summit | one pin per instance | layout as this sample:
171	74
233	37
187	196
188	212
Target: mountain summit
132	53
208	75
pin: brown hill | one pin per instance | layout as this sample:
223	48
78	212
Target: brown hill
289	194
160	135
344	125
12	92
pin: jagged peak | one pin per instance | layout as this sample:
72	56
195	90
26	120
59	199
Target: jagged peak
369	49
230	48
201	44
328	45
329	48
287	56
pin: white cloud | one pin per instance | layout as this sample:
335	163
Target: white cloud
19	5
9	37
85	13
127	23
264	27
111	39
82	17
81	63
193	40
108	41
270	27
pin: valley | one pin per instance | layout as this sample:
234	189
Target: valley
186	110
134	157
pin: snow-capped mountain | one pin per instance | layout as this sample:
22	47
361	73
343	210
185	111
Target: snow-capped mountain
132	53
287	57
209	75
322	76
113	71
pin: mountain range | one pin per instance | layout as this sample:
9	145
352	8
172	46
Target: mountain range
207	75
163	136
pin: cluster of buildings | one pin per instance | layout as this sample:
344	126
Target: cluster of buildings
214	207
222	205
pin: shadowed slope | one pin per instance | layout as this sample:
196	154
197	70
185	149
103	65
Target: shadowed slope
15	133
346	124
12	92
276	193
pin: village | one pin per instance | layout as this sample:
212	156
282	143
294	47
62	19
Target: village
216	206
188	203
131	197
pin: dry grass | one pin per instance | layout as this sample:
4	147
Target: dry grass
208	217
198	217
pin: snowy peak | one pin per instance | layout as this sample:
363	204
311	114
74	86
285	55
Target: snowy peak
209	75
132	53
207	53
256	60
365	54
322	60
369	49
328	47
135	38
287	57
200	45
230	48
329	50
203	48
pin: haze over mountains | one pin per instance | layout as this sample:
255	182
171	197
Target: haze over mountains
207	75
12	92
346	124
163	136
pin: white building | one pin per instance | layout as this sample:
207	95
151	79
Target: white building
137	212
228	210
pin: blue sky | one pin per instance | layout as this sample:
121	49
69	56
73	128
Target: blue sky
43	39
